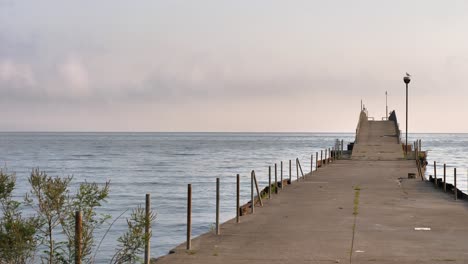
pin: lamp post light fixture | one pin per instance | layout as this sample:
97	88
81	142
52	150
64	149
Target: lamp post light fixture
407	80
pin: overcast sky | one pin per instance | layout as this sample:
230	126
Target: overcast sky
230	65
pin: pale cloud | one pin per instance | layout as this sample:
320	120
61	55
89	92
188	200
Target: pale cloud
75	76
16	74
169	63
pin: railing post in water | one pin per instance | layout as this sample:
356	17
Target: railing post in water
276	179
252	210
269	182
435	174
237	198
147	228
290	180
78	235
282	175
189	216
445	182
217	207
455	183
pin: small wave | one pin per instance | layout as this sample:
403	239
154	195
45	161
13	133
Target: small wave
83	155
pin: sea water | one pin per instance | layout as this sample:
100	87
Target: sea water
162	164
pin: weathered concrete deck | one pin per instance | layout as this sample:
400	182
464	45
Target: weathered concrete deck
351	211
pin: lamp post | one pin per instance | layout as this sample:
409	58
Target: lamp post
407	80
386	106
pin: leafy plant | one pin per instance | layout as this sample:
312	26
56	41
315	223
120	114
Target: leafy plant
88	198
132	243
17	234
50	195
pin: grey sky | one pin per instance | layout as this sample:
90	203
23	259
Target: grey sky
230	65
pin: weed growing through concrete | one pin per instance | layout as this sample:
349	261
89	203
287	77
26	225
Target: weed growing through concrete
357	191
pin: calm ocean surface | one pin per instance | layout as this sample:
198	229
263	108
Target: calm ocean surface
164	163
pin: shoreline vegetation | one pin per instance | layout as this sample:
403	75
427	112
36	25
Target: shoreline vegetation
27	239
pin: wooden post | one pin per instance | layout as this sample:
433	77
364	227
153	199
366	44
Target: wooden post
276	179
147	228
455	183
290	180
435	174
269	182
217	207
282	175
252	208
237	198
78	235
189	216
445	181
316	160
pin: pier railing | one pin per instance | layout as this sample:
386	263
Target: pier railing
327	156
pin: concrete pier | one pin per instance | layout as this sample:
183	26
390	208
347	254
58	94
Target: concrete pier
363	210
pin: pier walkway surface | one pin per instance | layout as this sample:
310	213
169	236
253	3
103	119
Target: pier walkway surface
363	210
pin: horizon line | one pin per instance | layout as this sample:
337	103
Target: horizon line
210	132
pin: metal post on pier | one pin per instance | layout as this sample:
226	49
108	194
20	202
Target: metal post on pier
445	181
78	236
217	207
189	216
269	182
435	174
342	149
297	171
256	187
147	228
290	180
252	208
407	80
455	183
326	161
321	158
316	160
311	163
237	197
282	184
276	179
